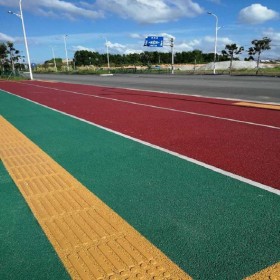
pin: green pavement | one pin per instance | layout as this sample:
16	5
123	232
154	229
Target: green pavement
212	226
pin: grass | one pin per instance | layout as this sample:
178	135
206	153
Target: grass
3	78
132	70
8	75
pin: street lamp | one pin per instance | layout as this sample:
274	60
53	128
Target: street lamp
66	54
54	61
107	48
216	38
20	15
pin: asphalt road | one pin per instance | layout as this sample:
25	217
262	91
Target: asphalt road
261	89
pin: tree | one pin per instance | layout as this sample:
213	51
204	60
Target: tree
258	48
231	50
3	55
13	54
50	62
8	56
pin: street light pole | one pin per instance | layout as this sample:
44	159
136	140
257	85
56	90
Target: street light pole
66	54
108	60
54	60
107	49
20	15
216	39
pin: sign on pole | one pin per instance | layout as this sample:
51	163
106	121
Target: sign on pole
154	41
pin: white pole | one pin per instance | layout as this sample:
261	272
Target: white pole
25	41
107	48
216	39
54	60
66	54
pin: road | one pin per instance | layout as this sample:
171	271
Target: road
261	89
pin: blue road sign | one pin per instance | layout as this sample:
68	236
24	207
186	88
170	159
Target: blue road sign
154	41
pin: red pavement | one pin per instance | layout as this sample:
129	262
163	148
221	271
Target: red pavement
244	149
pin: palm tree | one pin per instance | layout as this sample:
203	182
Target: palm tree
258	48
231	50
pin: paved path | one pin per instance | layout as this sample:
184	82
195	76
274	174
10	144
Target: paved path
211	225
90	238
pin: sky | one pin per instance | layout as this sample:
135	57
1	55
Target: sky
126	23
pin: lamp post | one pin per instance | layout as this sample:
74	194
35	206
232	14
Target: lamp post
107	49
216	38
54	60
20	15
66	54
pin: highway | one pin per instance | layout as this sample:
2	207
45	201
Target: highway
252	88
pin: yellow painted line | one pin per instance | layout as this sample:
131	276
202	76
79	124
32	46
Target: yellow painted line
270	273
92	241
258	105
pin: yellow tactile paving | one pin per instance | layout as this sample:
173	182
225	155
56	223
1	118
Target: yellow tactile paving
92	241
258	105
270	273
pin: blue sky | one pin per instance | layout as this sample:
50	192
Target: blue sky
125	24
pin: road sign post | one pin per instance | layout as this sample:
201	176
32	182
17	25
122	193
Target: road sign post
154	41
158	41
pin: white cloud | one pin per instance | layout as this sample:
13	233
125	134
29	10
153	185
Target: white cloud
220	40
187	46
56	8
206	44
131	51
123	49
166	35
82	48
144	11
117	47
257	14
136	36
5	38
147	11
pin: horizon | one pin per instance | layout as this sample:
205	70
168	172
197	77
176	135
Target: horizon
89	24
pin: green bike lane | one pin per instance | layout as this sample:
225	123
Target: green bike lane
212	226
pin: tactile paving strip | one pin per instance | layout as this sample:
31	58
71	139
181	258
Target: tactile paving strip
269	273
92	241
